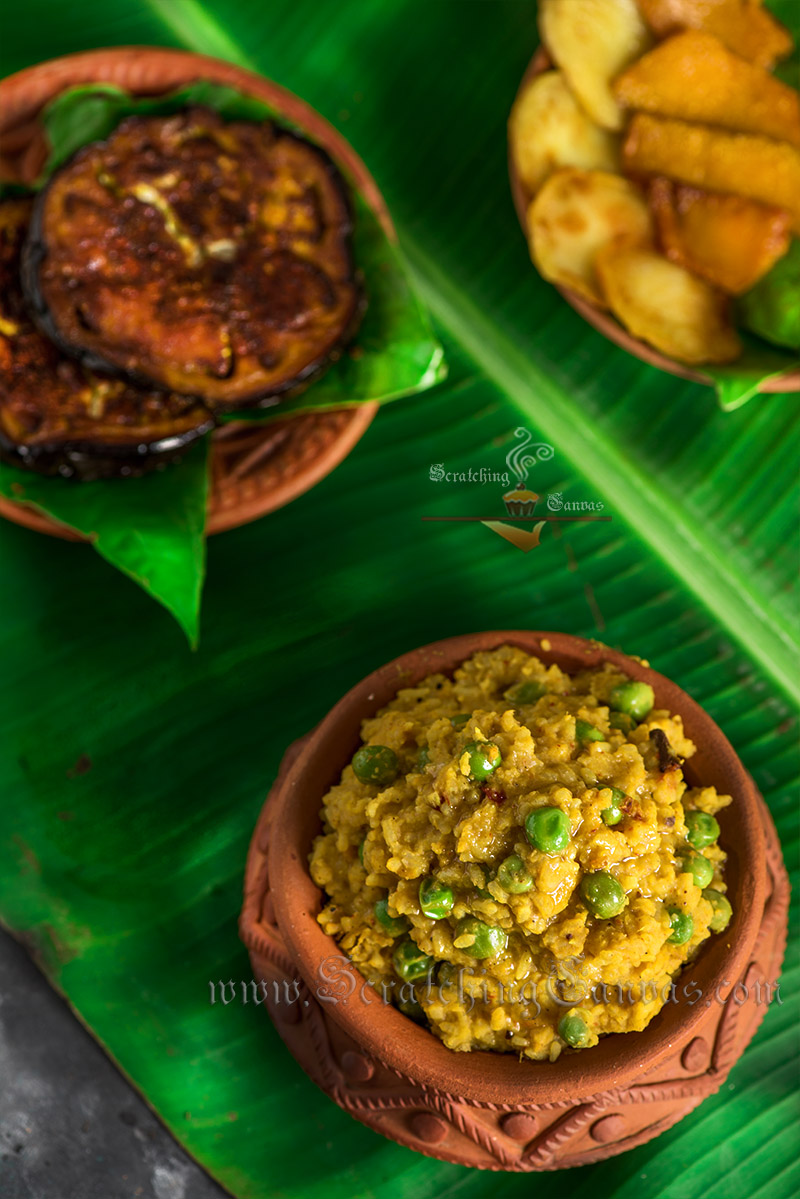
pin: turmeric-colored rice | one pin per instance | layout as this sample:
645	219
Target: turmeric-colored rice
435	821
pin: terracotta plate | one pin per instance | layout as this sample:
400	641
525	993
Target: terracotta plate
255	468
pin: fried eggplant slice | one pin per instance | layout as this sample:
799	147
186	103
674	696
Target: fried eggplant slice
548	129
742	25
695	78
58	417
715	160
591	41
212	259
728	240
664	305
574	215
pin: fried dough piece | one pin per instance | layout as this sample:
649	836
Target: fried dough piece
695	78
715	160
742	25
728	240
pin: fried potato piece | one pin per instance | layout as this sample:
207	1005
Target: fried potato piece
728	240
715	160
577	213
548	129
591	41
664	305
694	77
742	25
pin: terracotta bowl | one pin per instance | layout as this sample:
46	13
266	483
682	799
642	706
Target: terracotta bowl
256	469
484	1109
603	321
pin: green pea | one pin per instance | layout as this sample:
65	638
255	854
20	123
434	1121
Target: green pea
460	719
621	721
602	894
393	924
447	974
701	829
513	875
413	1009
632	698
587	732
435	900
682	926
423	758
547	829
375	764
489	940
572	1029
484	758
722	910
613	813
525	693
701	870
410	962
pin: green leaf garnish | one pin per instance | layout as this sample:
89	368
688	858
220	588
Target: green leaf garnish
151	528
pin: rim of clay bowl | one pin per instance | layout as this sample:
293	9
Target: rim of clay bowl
603	321
255	470
480	1076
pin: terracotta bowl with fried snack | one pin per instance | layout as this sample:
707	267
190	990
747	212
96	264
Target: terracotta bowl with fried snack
487	1109
255	468
603	321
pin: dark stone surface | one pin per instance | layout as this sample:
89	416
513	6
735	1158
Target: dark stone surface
71	1127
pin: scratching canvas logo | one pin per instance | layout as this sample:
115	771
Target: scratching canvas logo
526	512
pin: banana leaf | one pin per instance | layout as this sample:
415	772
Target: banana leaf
125	879
741	381
772	307
770	314
153	529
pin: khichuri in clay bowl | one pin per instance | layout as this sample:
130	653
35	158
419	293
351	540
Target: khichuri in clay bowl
514	834
510	876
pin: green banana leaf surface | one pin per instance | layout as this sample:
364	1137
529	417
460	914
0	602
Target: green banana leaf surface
132	772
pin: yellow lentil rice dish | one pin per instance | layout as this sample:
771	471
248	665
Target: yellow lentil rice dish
515	858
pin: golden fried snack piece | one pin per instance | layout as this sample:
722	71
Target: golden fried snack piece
591	41
715	160
548	129
575	214
663	304
694	77
58	417
728	240
207	257
742	25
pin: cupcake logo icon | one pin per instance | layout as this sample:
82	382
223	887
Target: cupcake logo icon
521	501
